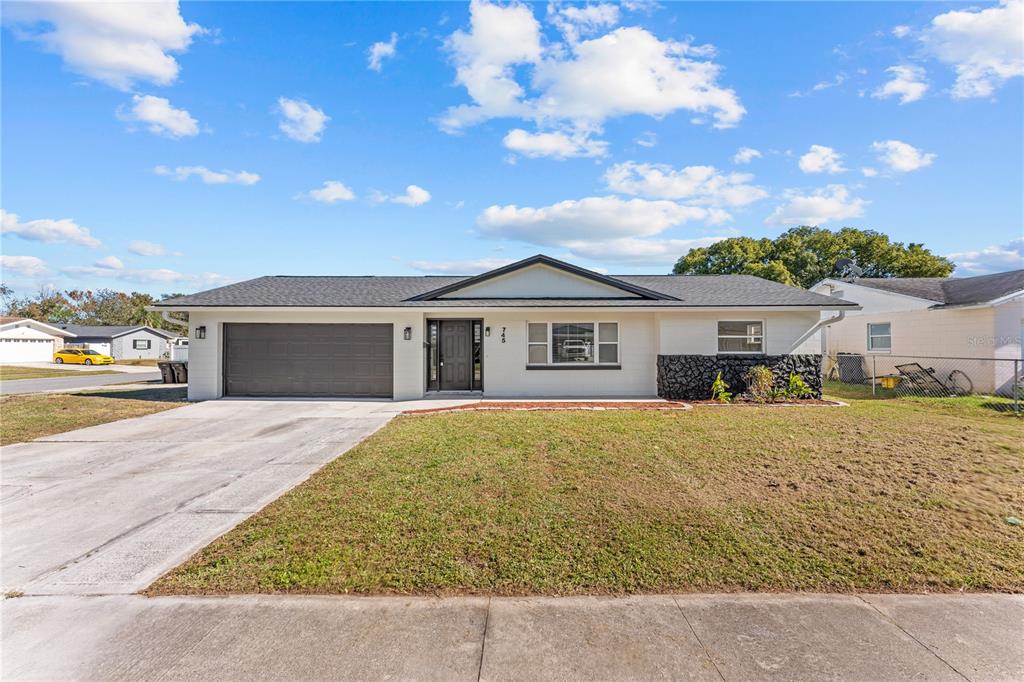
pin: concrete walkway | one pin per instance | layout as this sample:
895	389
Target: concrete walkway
76	383
700	637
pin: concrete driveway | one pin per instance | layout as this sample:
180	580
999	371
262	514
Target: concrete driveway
107	509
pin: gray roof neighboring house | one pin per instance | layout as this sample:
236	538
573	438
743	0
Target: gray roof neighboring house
640	291
950	291
89	331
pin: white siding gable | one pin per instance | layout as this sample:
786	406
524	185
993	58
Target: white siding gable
873	300
539	281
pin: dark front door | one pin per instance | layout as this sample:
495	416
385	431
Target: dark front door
456	355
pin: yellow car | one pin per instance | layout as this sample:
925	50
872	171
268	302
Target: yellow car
79	356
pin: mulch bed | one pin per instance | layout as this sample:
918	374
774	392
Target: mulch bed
752	403
555	406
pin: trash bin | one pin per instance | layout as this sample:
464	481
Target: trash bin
180	372
851	368
166	373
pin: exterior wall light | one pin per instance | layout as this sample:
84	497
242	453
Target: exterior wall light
201	332
407	333
487	331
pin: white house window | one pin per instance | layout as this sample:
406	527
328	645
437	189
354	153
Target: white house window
741	336
141	344
572	343
880	337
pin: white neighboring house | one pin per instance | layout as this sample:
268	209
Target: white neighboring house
24	340
538	327
131	342
933	317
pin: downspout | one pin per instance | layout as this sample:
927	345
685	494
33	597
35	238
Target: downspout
821	324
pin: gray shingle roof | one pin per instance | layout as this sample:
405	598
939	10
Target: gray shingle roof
95	331
387	291
951	291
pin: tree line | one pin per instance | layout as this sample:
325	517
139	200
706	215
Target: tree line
100	307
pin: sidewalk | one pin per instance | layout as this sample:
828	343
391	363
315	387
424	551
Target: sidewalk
704	637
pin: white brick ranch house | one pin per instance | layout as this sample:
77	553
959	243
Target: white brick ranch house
538	327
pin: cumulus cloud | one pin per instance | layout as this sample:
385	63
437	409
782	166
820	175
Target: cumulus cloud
47	230
159	117
378	52
902	157
703	185
746	155
985	47
581	83
632	251
901	31
301	121
869	172
459	267
209	177
146	276
116	43
1009	256
332	192
26	266
414	196
556	145
821	159
140	247
825	205
907	82
110	263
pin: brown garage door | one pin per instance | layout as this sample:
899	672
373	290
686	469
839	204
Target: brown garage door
318	360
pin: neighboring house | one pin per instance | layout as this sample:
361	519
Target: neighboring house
24	340
934	317
132	342
539	327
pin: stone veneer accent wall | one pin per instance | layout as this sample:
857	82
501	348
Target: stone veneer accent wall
689	377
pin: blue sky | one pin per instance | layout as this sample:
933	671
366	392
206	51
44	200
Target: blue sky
165	147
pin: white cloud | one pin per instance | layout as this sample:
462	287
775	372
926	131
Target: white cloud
821	85
378	52
582	83
985	47
141	247
575	21
901	31
902	157
47	230
26	266
116	43
110	263
301	120
414	196
591	218
647	139
557	145
209	177
991	259
638	251
146	276
825	205
907	82
332	192
460	267
746	155
869	172
160	117
821	159
698	184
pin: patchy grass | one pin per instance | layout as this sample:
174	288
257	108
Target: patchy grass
15	372
26	417
954	405
883	495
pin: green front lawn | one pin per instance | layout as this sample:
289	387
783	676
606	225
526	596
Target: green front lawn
14	372
27	417
883	495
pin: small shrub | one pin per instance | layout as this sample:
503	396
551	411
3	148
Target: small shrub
797	387
760	384
720	390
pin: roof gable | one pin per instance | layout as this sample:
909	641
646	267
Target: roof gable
8	323
541	277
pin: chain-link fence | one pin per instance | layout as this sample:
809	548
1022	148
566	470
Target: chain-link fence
993	383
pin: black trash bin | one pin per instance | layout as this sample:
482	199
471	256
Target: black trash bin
851	368
180	372
166	373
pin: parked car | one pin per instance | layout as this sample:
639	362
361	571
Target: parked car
574	349
79	356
